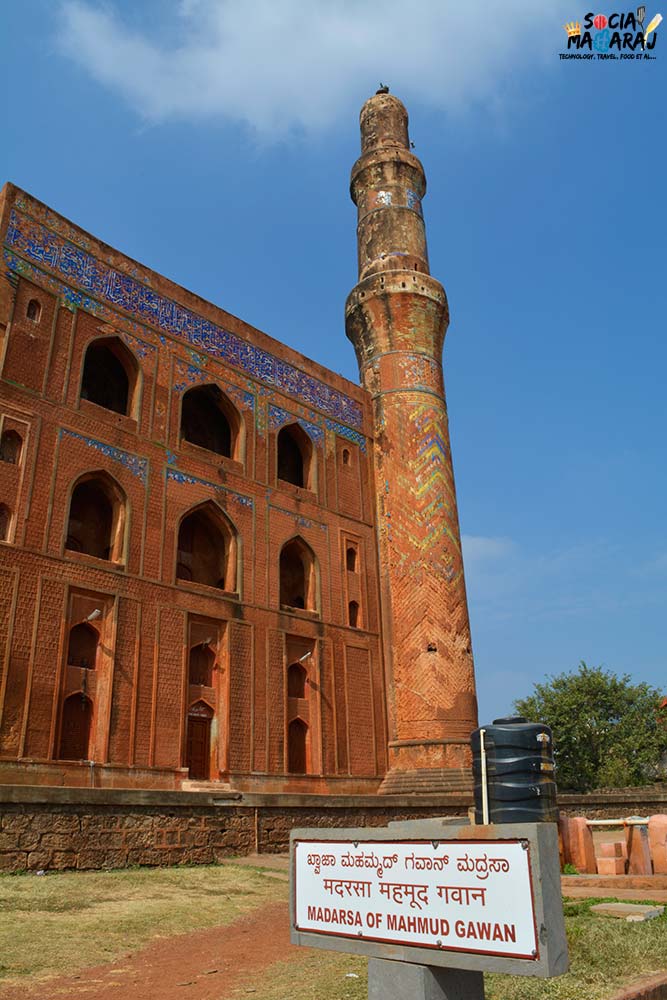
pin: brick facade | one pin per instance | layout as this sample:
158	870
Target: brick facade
199	579
61	292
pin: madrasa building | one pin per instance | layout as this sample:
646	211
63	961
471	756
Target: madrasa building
222	565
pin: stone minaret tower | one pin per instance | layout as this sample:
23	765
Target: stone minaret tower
396	317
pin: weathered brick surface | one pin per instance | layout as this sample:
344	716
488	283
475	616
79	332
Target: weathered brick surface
138	690
396	317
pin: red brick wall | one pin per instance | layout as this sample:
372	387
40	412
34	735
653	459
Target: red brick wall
139	685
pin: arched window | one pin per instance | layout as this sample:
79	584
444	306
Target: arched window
82	648
200	667
297	756
96	518
353	614
10	447
109	375
296	680
206	549
295	450
351	559
298	575
76	726
5	521
209	420
34	311
346	456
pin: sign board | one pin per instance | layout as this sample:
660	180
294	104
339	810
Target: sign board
460	896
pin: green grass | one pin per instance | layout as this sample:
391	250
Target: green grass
45	919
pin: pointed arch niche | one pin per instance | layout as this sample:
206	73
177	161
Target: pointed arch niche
110	376
210	420
298	576
86	679
207	548
206	744
303	752
97	517
295	459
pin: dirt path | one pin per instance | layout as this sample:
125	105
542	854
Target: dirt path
203	965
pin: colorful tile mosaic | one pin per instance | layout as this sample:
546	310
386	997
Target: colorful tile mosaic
190	375
279	417
175	476
137	466
346	432
101	282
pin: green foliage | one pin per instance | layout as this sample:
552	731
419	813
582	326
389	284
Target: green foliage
608	732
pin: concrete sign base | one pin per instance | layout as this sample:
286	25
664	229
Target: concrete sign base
400	980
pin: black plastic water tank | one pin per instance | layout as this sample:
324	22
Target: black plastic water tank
519	772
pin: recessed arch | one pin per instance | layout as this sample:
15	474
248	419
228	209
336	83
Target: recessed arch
201	662
11	444
34	310
353	614
210	420
297	747
351	559
295	456
207	548
75	729
5	522
198	741
97	516
110	375
298	573
82	646
297	675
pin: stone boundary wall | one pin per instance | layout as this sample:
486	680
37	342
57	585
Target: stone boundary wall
63	828
58	828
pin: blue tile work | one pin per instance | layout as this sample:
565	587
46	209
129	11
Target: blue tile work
102	282
181	477
278	417
190	375
299	520
137	466
172	459
346	432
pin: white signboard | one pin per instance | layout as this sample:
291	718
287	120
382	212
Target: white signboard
471	896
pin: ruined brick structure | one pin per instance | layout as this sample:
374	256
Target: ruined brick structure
220	562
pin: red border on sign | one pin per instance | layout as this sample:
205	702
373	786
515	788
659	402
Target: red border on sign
534	957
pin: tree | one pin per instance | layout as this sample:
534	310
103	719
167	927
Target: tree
607	732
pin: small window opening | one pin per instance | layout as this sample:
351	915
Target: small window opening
296	681
10	447
202	660
297	735
346	456
34	311
82	648
5	520
294	455
431	648
297	575
203	551
351	559
353	614
109	374
92	513
205	420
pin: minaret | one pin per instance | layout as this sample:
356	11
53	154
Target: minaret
396	317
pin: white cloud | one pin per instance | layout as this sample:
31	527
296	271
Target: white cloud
284	64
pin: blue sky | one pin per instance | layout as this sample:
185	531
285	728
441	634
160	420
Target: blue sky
212	140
